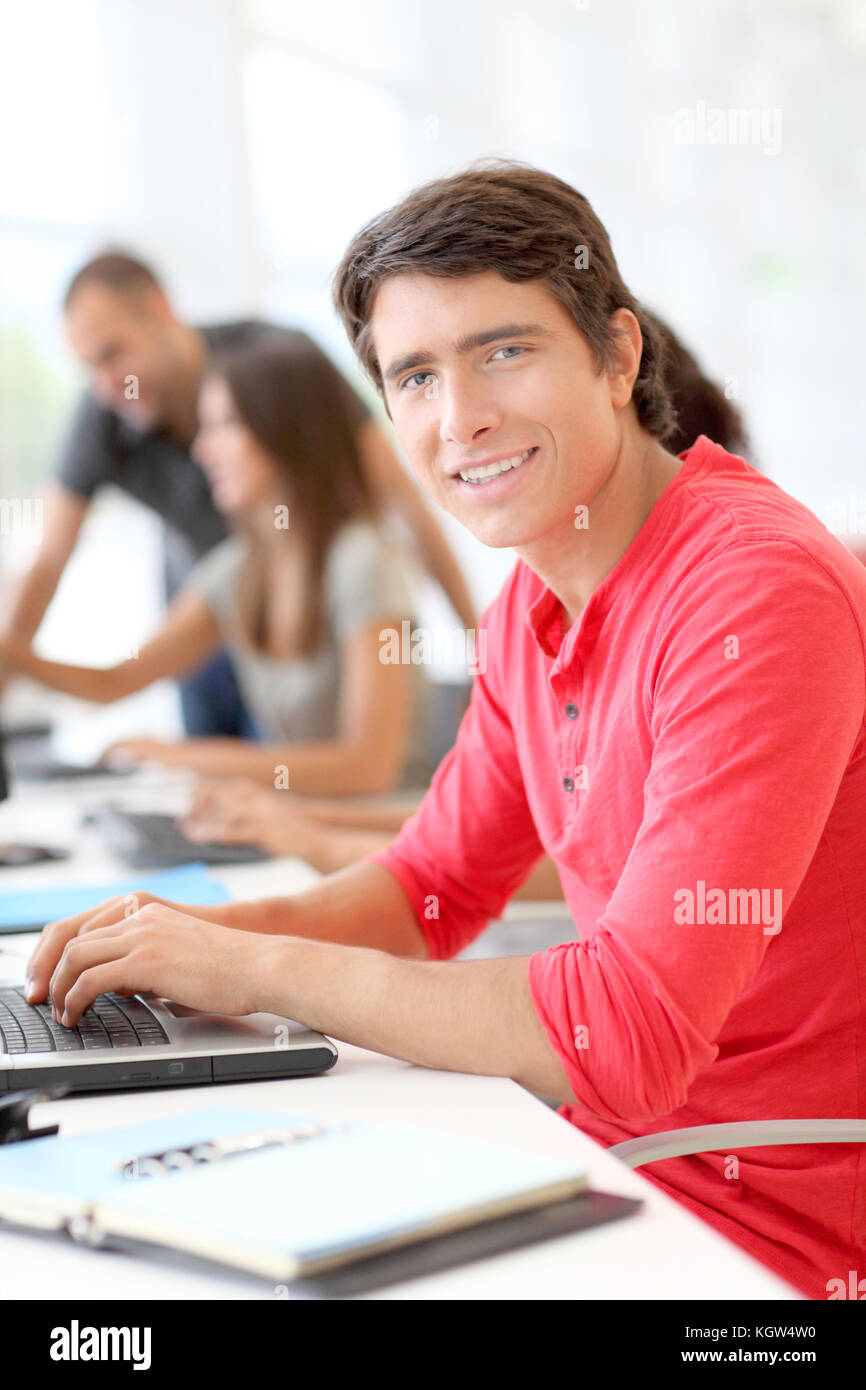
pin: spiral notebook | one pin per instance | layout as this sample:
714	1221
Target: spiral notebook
288	1197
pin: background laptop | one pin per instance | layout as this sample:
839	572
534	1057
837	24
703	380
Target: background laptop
126	1041
31	757
152	840
142	839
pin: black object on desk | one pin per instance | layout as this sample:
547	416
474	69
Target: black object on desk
15	1115
434	1255
13	855
32	760
507	1233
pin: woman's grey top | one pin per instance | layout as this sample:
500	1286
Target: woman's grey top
297	698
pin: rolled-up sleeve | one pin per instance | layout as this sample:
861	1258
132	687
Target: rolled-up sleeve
755	703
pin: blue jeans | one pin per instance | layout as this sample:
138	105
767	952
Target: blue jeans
211	702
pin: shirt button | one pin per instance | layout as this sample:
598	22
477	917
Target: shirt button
571	711
568	783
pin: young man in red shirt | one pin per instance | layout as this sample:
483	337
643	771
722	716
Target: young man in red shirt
672	707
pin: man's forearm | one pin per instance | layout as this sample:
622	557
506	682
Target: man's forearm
363	905
469	1016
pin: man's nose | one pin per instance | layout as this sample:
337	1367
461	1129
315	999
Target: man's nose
467	409
107	385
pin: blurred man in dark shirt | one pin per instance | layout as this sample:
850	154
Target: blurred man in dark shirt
134	427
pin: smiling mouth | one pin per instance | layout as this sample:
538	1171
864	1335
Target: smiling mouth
479	476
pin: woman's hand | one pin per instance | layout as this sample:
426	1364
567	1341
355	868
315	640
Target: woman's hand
239	811
161	950
138	750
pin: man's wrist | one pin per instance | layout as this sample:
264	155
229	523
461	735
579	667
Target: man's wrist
276	974
265	916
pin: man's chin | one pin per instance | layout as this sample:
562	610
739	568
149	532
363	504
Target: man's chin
141	417
497	526
504	536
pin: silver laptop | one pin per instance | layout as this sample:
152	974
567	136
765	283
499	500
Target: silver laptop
126	1041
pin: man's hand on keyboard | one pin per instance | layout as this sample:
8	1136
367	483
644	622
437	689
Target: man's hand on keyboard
246	918
162	949
55	935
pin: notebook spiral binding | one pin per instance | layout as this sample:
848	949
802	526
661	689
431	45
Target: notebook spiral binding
157	1165
84	1230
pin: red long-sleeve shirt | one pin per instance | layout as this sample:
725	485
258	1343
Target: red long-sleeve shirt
698	730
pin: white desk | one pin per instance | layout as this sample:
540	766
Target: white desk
661	1252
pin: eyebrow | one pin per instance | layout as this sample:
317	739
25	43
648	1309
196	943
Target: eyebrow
468	343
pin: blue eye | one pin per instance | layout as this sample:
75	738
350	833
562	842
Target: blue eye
510	348
414	377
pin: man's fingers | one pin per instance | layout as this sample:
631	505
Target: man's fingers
82	953
113	975
55	936
49	947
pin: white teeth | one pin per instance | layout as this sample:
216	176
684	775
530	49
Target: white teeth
492	470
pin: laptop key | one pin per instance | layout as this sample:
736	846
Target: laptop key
31	1028
112	1021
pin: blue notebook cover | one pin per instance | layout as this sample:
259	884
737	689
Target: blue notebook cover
282	1212
191	883
61	1176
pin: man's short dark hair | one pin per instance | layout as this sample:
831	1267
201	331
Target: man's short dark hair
117	270
524	223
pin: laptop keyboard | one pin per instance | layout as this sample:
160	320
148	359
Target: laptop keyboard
150	838
113	1020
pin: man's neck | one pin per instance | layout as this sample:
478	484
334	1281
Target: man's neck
573	560
189	354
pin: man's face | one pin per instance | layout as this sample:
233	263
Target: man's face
478	371
122	339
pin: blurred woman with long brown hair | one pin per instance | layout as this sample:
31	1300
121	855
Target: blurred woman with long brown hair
300	594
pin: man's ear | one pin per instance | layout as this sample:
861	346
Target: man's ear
156	305
625	356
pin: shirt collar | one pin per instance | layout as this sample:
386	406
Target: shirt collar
544	617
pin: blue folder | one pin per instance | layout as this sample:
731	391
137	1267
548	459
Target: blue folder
32	908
